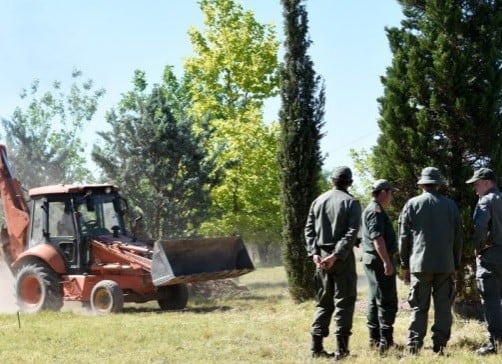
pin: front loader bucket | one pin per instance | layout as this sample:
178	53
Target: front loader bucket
196	260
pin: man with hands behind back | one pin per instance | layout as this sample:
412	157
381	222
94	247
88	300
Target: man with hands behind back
330	233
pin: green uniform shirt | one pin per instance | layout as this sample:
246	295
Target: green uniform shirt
488	226
333	223
430	234
375	223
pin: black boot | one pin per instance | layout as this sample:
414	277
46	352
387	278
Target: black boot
342	347
488	349
386	340
438	349
317	349
374	338
414	347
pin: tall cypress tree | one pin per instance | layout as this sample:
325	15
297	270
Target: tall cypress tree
442	102
301	119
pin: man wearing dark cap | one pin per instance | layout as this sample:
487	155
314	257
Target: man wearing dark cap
488	249
379	246
330	234
430	246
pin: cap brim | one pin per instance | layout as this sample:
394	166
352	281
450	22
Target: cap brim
472	180
429	182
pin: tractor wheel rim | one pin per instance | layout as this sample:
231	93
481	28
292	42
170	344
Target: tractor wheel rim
102	300
31	290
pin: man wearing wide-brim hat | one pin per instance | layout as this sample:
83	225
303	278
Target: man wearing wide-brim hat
430	246
488	249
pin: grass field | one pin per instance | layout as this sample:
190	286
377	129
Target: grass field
253	323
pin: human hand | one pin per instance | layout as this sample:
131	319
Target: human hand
478	252
406	276
388	269
317	260
328	261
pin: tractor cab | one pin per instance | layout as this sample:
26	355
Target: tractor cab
68	216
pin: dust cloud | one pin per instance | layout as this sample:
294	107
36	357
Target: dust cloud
7	296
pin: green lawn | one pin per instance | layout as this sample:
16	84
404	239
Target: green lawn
254	322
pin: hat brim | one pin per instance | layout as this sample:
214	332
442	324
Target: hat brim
426	181
472	180
383	188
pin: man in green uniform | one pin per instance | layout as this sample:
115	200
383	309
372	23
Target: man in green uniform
488	249
430	245
379	245
330	234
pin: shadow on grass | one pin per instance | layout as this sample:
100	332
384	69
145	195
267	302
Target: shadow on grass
242	297
277	297
468	343
205	309
206	301
208	309
141	310
266	285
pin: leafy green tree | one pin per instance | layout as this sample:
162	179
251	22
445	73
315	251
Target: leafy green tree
177	92
250	207
233	71
364	166
235	63
442	102
44	137
301	120
158	161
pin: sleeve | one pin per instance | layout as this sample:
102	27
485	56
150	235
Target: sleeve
310	233
457	243
481	219
405	237
374	224
345	245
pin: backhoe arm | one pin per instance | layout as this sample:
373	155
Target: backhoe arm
16	211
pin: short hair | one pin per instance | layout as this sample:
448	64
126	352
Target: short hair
342	183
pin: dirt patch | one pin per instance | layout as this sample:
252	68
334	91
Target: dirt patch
224	288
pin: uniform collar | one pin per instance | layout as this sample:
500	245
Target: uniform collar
379	205
494	189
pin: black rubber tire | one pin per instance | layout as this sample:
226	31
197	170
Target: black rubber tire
107	297
173	297
38	288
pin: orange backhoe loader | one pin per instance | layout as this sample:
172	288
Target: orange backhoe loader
70	242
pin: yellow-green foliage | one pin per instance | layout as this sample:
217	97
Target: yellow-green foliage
256	324
233	71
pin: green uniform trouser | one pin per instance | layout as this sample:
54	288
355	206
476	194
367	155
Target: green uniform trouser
442	288
336	292
489	282
382	301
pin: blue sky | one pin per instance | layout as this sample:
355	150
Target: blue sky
108	40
